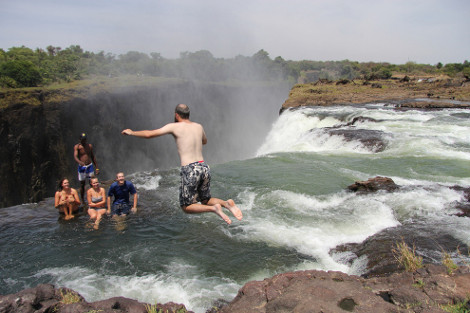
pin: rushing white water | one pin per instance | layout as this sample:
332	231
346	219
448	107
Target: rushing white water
296	208
440	133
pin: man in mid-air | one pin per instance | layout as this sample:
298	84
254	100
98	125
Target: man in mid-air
195	195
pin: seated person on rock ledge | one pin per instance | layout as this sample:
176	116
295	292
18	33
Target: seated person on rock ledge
96	197
121	189
66	199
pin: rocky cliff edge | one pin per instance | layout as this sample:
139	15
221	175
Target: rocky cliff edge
429	289
406	91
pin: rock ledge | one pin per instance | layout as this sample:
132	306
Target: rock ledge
425	290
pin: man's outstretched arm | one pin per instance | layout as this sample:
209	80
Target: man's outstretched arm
167	129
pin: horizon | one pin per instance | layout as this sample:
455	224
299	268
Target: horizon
272	58
398	32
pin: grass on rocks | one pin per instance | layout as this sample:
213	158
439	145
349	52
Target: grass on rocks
407	257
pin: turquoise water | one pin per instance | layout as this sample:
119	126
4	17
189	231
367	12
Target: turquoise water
293	193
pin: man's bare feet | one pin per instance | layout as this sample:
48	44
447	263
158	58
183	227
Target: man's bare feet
232	207
219	212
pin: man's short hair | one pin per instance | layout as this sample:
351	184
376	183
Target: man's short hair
182	110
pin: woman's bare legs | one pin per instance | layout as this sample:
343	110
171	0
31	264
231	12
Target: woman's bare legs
68	209
99	214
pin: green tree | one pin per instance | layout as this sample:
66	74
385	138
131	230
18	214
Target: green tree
23	72
261	56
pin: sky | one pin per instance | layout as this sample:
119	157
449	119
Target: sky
394	31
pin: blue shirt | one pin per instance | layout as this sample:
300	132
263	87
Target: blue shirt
121	193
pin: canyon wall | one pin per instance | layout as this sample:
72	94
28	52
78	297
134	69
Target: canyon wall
37	139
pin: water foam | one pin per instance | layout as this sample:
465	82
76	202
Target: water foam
313	225
414	133
181	283
146	180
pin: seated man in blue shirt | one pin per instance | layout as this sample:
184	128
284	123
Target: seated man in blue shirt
121	189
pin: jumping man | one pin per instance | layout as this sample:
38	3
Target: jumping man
195	195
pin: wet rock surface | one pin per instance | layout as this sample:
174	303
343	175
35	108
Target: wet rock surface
425	290
464	205
374	184
371	139
379	248
46	298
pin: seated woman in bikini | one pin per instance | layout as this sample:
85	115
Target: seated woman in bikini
96	197
66	199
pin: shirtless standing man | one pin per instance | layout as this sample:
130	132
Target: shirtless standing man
195	174
83	154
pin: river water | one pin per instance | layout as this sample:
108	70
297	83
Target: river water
293	193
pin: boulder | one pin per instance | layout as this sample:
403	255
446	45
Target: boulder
308	291
378	248
374	184
425	290
371	139
45	298
362	119
464	204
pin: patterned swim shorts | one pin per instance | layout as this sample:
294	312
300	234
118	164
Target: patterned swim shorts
86	171
195	183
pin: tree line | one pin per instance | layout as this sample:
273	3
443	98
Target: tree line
25	67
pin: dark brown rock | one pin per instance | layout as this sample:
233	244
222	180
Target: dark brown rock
120	303
371	139
464	204
317	291
374	184
379	247
425	290
29	300
45	299
464	208
308	291
361	119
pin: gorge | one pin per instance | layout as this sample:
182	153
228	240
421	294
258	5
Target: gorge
305	234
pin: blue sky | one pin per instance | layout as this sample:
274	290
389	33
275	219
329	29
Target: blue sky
395	31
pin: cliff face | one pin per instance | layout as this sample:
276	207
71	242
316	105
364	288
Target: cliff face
37	137
32	154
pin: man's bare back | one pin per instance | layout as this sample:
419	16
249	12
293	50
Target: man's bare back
190	137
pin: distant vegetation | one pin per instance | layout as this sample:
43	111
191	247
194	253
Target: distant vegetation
24	67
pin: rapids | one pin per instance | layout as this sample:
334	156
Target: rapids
293	193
